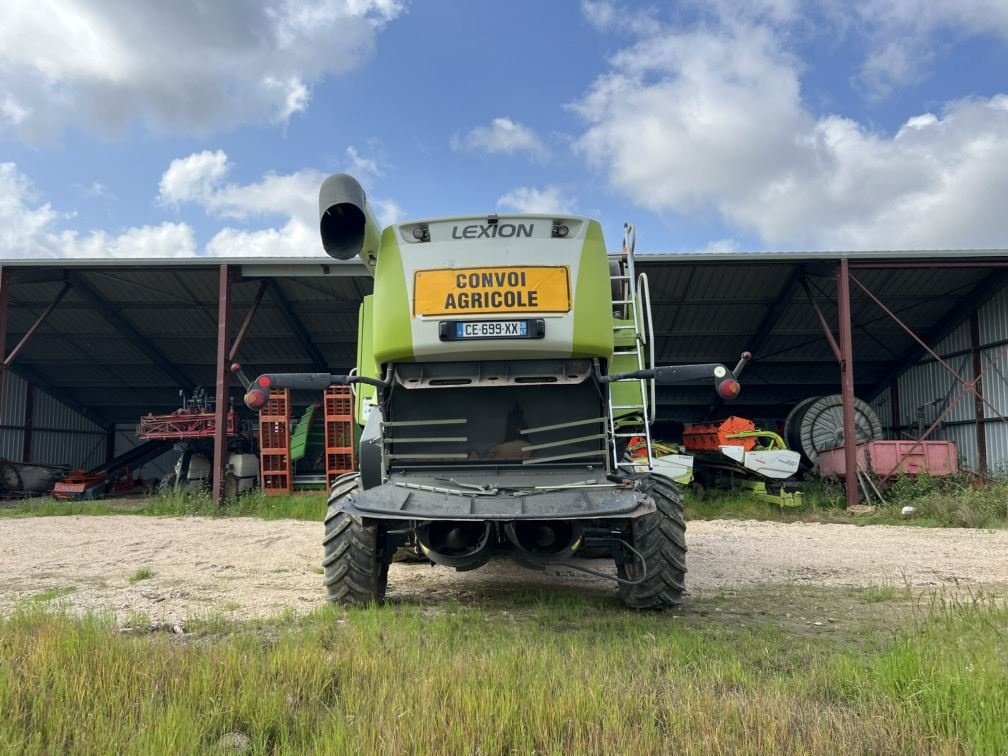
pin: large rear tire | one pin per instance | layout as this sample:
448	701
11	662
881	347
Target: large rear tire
660	537
355	564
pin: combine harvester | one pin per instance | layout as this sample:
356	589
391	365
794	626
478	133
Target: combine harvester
735	454
504	364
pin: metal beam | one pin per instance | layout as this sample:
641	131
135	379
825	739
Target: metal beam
827	331
223	382
755	344
847	383
296	326
772	317
240	338
11	358
85	291
980	295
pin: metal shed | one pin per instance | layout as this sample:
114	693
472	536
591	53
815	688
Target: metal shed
91	345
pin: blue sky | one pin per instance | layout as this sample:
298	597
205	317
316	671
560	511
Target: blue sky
186	128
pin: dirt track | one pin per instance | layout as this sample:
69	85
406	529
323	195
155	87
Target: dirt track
253	568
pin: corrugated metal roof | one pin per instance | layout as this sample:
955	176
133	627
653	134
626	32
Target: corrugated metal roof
706	306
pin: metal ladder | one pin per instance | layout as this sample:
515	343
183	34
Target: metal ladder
637	298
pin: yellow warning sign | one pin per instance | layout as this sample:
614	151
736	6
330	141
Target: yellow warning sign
486	291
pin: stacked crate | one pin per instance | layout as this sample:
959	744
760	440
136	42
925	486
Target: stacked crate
341	456
276	467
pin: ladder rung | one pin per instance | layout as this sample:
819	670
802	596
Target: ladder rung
624	328
631	353
627	406
622	301
619	278
626	435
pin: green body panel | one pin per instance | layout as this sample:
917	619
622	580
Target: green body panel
299	441
392	337
593	321
402	334
624	393
366	364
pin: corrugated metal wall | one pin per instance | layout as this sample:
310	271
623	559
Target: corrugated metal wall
59	435
927	390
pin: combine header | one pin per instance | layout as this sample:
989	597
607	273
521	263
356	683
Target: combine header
736	454
504	364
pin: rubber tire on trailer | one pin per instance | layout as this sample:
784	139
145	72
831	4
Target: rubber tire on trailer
660	537
355	566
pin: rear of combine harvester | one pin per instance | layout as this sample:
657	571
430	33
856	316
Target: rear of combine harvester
503	363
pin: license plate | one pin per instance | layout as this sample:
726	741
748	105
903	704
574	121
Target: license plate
492	329
462	330
491	291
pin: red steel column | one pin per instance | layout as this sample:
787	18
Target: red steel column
847	382
4	301
223	383
978	398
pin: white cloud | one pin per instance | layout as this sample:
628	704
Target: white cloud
967	16
389	212
549	200
200	179
362	168
30	229
182	66
193	178
502	136
98	190
901	35
714	119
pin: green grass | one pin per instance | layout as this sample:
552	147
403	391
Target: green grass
554	674
952	502
306	506
52	594
940	503
143	573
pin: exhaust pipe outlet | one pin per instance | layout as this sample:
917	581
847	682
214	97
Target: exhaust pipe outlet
539	542
462	545
346	223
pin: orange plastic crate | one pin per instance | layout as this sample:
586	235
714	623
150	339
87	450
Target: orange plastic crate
275	467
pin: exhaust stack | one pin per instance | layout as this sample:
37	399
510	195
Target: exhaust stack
346	223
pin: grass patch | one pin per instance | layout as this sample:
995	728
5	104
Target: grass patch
567	675
307	506
940	502
143	573
52	594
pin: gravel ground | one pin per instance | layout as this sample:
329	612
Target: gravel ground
247	568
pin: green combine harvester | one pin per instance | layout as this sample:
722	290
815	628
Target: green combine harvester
503	365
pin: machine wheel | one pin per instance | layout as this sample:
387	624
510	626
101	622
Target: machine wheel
660	537
10	478
355	564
